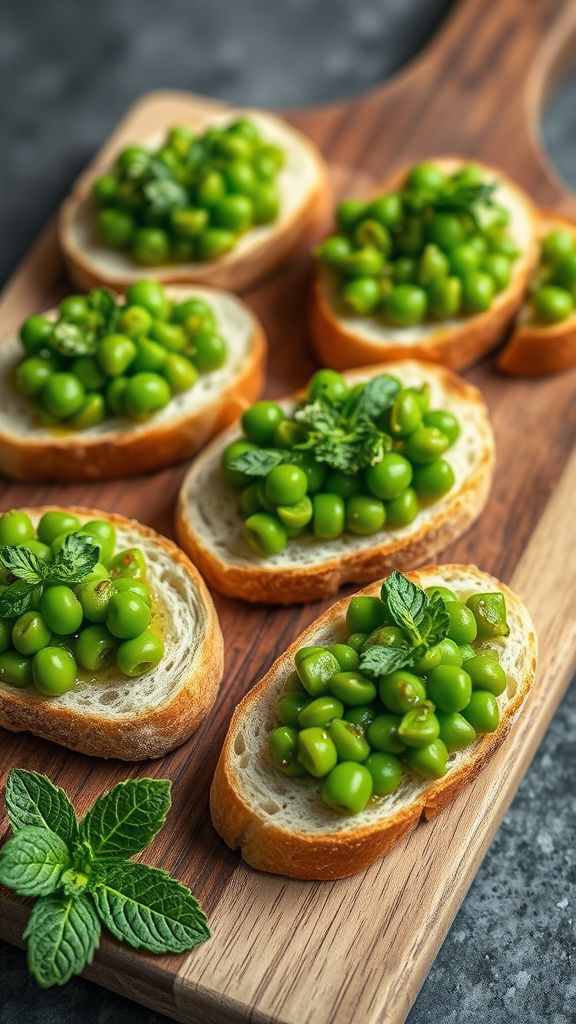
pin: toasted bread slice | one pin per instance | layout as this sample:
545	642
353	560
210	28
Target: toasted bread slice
304	193
209	526
134	719
536	350
121	447
343	339
281	825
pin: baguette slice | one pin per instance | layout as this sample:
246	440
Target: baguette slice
343	339
120	447
134	719
304	193
281	825
209	526
536	350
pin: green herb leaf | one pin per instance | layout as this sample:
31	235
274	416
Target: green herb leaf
75	559
146	908
32	862
73	339
378	395
107	311
17	599
434	625
406	604
164	196
257	462
33	801
342	434
63	934
125	820
381	659
22	563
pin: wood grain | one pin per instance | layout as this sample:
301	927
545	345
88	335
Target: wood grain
358	949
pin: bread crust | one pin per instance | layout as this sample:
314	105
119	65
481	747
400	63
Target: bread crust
538	350
235	270
339	346
124	453
153	732
279	850
259	583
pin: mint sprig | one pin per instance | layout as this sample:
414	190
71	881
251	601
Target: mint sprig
82	877
72	563
423	620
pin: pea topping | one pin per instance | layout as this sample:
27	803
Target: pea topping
348	788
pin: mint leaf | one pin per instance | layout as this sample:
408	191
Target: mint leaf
125	820
33	801
377	396
22	563
75	559
146	908
257	462
381	659
406	604
17	599
434	625
72	340
33	861
63	934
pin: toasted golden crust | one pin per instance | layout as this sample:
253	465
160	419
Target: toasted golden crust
299	854
104	456
537	350
285	585
234	271
457	345
151	732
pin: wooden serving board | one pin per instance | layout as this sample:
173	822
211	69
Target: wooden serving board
354	950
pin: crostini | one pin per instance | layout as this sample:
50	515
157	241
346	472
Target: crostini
116	445
354	532
324	801
544	338
303	195
449	325
120	657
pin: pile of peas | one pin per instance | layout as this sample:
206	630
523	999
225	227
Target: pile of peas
407	257
147	351
305	495
554	286
193	197
100	624
361	737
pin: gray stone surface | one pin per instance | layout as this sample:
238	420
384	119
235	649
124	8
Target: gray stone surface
67	72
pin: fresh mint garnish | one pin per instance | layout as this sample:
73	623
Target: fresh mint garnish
83	879
258	461
423	620
73	562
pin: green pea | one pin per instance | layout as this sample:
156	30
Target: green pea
382	734
386	772
346	657
297	515
349	212
94	598
455	731
95	648
446	230
365	515
345	485
348	788
429	660
489	610
362	295
371	232
130	562
140	654
180	373
444	297
115	354
99	572
265	203
151	295
89	373
464	258
349	740
443	421
315	671
426	444
387	209
315	471
265	534
366	262
449	688
462	627
404	270
362	715
433	264
482	711
557	243
386	636
316	751
134	586
329	516
215	242
189	222
150	246
466	652
400	691
233	451
135	321
53	671
260	421
61	610
431	762
15	528
364	614
35	333
478	291
146	394
92	412
286	484
450	653
127	615
405	305
150	356
434	479
15	669
410	237
30	633
210	351
63	395
486	673
116	394
565	270
389	477
320	711
115	227
32	375
444	592
356	641
308	649
419	727
334	251
328	384
428	177
283	749
553	304
233	212
250	501
498	266
406	414
352	688
403	509
290	706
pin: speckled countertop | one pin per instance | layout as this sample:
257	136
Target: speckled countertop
68	71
